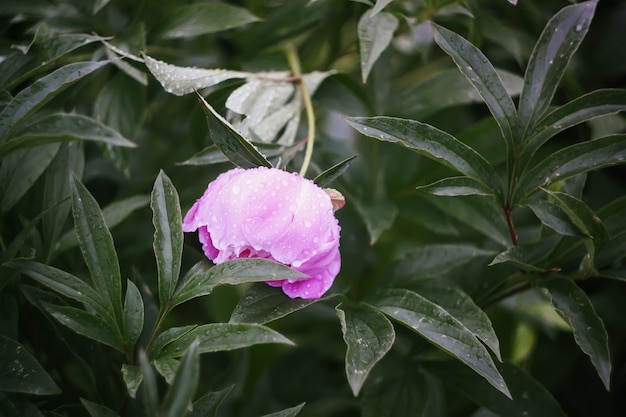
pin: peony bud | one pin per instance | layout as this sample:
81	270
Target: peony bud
269	213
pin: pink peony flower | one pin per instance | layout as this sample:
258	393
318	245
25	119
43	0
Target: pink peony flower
269	213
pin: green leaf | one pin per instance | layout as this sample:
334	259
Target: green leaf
216	337
262	304
208	405
133	315
481	214
431	260
168	336
462	307
86	324
132	378
530	398
289	412
380	5
444	89
41	91
202	277
19	172
581	215
57	192
167	367
46	48
588	328
184	80
375	32
97	410
334	172
483	76
236	148
571	161
96	245
62	128
377	215
431	142
168	236
438	326
121	104
548	61
180	394
396	390
368	335
204	18
113	215
62	282
519	256
20	371
553	216
149	388
455	186
582	109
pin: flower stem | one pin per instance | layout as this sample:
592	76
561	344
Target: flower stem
296	70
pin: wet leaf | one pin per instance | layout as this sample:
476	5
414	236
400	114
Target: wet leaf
375	32
204	18
20	371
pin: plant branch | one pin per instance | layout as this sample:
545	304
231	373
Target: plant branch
296	70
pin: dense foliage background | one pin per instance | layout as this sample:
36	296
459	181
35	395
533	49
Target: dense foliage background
483	236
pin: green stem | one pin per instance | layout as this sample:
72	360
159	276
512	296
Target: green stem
296	70
158	324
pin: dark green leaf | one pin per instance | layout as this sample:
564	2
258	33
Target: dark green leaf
610	252
180	394
443	89
203	277
167	367
208	405
42	90
216	337
375	32
19	172
530	398
62	128
584	108
571	161
113	215
236	148
289	412
378	216
588	328
454	186
262	303
57	192
168	336
121	105
149	388
518	256
462	307
396	390
431	142
62	282
481	214
96	244
20	371
203	18
97	410
483	76
168	236
334	172
47	47
553	216
548	61
439	327
133	315
435	259
368	335
86	324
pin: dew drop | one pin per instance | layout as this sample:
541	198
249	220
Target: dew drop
236	189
